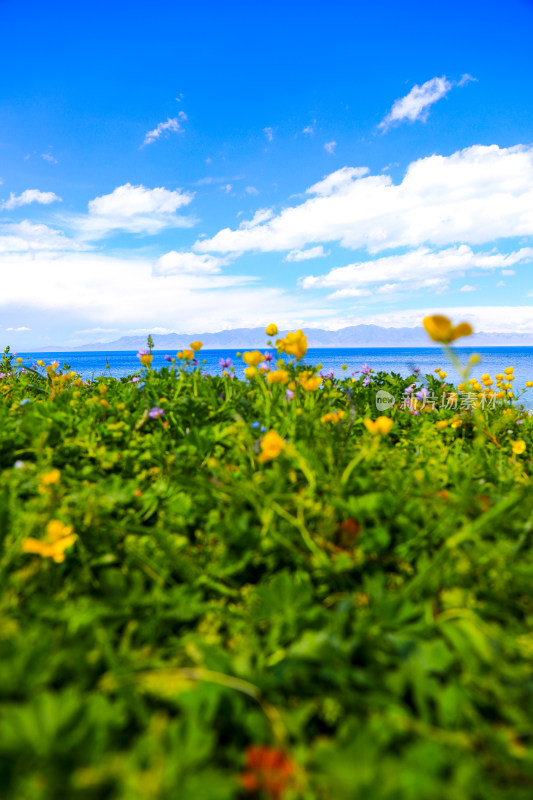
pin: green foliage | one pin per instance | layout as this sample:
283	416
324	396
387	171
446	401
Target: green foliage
361	602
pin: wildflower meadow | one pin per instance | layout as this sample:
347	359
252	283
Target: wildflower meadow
271	588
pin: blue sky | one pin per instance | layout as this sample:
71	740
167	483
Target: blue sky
190	168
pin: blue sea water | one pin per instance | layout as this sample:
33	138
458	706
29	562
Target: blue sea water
390	359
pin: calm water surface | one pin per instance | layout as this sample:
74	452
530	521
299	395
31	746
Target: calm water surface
389	359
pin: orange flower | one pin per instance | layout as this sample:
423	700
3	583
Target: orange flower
295	344
381	425
196	346
271	446
58	537
440	329
268	770
271	329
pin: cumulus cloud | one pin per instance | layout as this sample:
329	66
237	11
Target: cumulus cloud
418	269
305	255
170	126
134	209
50	158
175	263
329	147
467	288
29	196
20	329
27	236
475	195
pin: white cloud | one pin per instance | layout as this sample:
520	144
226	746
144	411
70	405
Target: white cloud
329	147
418	268
170	126
29	196
309	129
19	330
111	292
475	195
466	78
305	255
50	158
508	272
467	288
497	319
415	105
269	133
27	236
175	263
251	190
134	209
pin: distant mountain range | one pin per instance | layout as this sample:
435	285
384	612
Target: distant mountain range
352	336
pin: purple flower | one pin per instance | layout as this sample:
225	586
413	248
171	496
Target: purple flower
225	363
416	371
168	358
365	369
268	355
289	394
265	366
410	389
143	352
330	374
423	394
136	379
366	380
156	412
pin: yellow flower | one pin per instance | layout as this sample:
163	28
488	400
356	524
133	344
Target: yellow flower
509	370
49	478
146	359
461	386
271	446
457	423
196	346
295	344
441	424
332	416
442	375
253	358
40	363
529	384
381	425
519	447
440	329
278	376
58	537
271	329
310	383
250	372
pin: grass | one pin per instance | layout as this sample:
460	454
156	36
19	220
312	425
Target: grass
213	588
